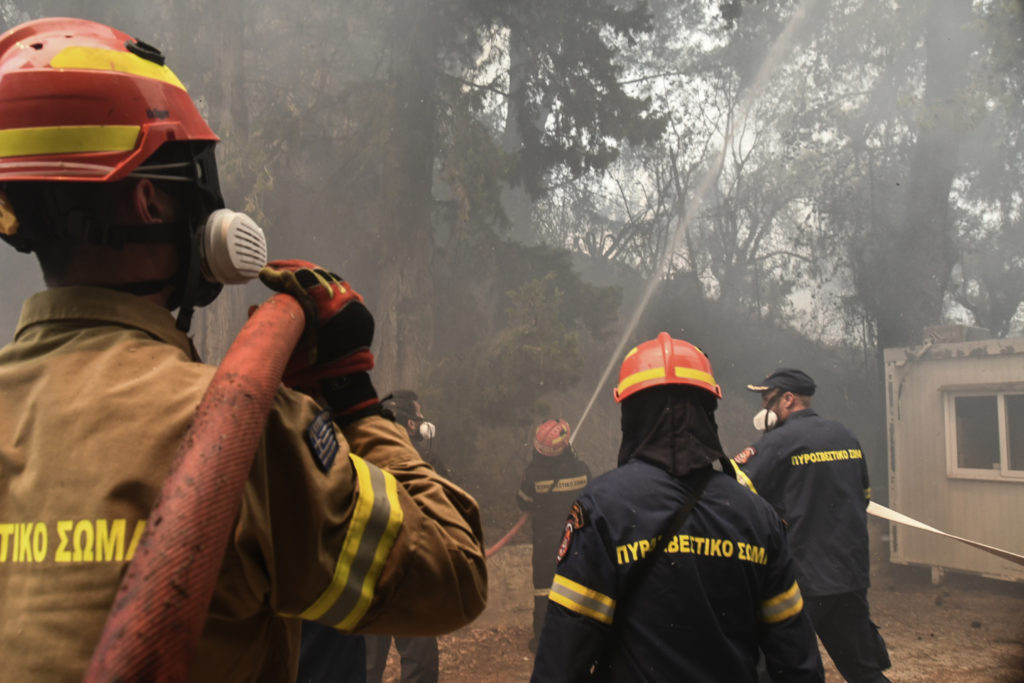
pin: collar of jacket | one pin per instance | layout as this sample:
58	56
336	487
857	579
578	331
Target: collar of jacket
803	412
98	304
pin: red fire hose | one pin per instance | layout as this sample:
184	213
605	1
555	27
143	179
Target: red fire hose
508	537
157	617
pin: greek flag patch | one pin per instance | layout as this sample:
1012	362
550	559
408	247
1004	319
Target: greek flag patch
320	434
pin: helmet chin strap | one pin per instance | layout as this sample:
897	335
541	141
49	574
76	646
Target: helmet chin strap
187	302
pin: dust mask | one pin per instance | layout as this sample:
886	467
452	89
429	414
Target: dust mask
426	430
765	419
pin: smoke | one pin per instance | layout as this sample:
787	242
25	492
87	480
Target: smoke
777	54
21	279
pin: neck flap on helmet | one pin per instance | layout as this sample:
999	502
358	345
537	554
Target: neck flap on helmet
672	427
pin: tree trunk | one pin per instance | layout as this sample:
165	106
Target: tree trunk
515	200
404	314
922	253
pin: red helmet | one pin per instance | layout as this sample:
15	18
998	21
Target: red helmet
551	438
83	101
665	361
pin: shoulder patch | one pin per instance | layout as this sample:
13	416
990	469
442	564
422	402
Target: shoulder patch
322	441
576	521
746	454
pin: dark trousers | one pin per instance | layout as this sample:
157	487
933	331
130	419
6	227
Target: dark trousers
419	658
843	622
545	565
329	656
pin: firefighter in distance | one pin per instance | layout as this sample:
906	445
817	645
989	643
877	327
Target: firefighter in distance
551	481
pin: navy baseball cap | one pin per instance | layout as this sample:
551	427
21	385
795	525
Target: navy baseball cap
786	379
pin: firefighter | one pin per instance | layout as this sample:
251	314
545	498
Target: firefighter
107	173
551	481
405	407
419	655
813	472
669	569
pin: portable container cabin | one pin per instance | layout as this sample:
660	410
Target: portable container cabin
955	410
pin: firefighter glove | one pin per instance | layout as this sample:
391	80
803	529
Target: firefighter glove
332	360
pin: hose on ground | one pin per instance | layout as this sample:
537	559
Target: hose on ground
508	537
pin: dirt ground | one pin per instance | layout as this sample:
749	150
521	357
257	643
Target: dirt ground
966	628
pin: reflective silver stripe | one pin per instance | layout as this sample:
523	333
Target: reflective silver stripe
581	599
376	520
570	484
782	606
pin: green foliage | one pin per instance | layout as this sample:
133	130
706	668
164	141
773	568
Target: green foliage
472	168
531	354
989	279
513	338
566	110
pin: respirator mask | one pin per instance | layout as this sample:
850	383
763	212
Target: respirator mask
229	248
766	418
232	248
425	431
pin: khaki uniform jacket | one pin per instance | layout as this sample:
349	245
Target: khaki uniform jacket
98	389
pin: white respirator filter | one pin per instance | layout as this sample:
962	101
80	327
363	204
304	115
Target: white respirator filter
233	248
765	419
427	430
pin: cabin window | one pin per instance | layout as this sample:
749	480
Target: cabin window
986	435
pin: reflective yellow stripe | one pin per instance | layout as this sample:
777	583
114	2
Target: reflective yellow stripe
690	373
20	142
642	376
371	534
867	494
742	477
101	59
658	373
782	606
582	600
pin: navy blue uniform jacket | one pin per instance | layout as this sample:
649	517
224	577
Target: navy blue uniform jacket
724	585
813	473
549	487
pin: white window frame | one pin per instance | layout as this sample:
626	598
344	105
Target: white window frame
953	469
